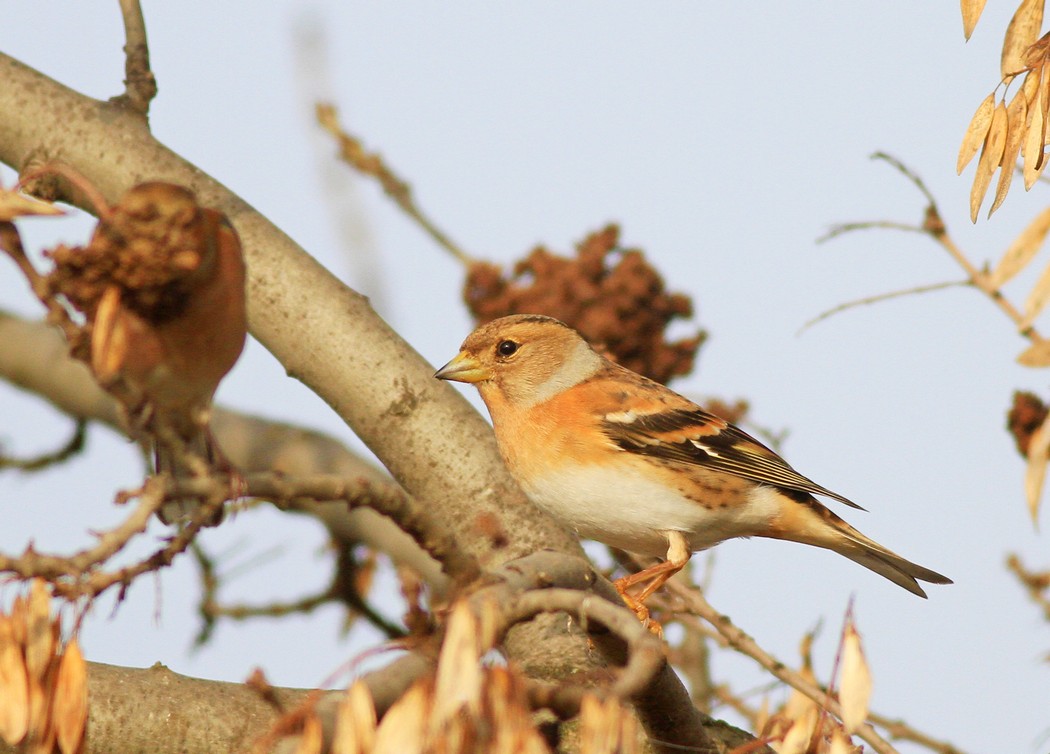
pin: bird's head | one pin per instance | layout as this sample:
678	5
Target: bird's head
525	358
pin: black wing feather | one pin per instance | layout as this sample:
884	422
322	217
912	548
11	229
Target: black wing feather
725	451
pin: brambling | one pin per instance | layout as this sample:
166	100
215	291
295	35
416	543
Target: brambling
162	348
626	461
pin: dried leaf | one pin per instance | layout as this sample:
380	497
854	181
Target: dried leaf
1044	86
488	624
1036	355
69	715
14	205
355	722
975	133
39	640
14	695
598	725
840	744
109	337
1035	473
310	740
1021	34
19	619
855	687
1016	118
971	12
39	727
1036	301
761	719
1036	55
1021	250
1030	86
796	740
402	728
458	682
1033	143
991	156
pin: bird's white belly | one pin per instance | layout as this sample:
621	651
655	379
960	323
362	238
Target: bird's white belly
627	509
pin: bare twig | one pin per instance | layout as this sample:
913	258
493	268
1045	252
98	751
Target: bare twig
70	448
140	85
341	189
352	151
983	281
722	630
78	575
933	225
738	640
837	230
899	730
1037	583
210	609
11	242
911	175
388	499
878	298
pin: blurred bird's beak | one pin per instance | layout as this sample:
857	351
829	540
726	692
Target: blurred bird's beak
463	368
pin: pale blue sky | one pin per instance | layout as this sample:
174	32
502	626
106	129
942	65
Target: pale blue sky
724	138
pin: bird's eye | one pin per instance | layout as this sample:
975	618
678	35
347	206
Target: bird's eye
507	348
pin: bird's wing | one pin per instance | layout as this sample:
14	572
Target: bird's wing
695	437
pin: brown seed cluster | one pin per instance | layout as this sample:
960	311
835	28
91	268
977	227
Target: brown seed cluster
1026	415
612	295
146	246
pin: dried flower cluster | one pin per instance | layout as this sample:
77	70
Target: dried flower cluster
43	685
610	294
1026	415
147	247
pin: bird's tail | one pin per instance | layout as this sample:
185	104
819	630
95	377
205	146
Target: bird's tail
822	528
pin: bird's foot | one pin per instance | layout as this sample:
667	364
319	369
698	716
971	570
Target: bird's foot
639	609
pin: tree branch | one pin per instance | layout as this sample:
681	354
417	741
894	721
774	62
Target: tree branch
140	86
435	445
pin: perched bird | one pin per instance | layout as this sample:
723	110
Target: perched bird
170	322
626	461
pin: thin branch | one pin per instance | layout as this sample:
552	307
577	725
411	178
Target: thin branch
1037	583
78	576
353	153
911	176
837	230
70	448
737	639
983	281
880	297
899	730
389	499
421	521
211	609
36	358
11	243
933	226
140	85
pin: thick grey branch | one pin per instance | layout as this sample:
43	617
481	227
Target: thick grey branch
435	445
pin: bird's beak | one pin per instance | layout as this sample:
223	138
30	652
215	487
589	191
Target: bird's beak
463	368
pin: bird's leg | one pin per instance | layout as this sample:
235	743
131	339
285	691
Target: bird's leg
678	554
